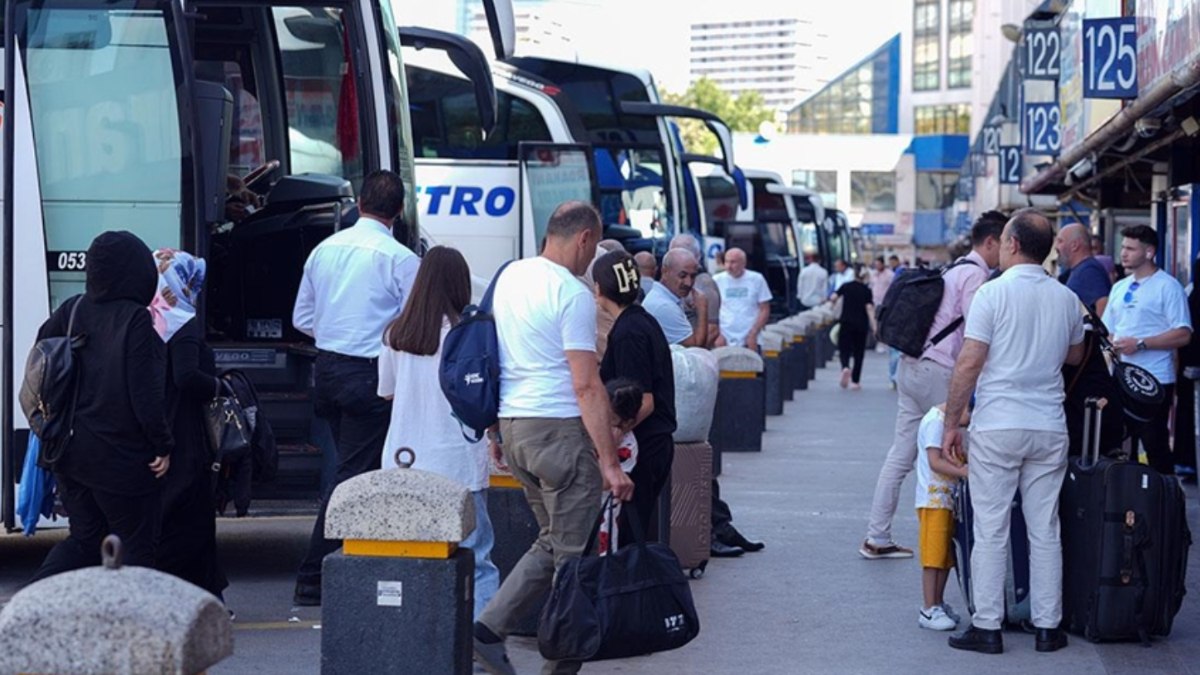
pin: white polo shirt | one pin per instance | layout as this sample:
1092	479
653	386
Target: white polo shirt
1028	321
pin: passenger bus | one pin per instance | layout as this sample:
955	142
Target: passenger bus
133	114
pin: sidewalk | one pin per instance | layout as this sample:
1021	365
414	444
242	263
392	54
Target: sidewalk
809	603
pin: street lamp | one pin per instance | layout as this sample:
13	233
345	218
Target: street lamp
1012	32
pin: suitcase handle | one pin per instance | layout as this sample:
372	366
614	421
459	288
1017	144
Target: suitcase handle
1093	410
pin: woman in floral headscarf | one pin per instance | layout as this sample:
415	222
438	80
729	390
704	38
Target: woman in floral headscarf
187	545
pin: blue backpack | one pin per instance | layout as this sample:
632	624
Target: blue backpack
470	368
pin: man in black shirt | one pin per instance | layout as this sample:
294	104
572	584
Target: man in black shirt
858	317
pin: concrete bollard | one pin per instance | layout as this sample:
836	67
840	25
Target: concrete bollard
801	348
739	419
772	343
787	358
516	529
398	597
113	619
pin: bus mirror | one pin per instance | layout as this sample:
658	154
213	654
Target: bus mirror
89	29
467	57
314	29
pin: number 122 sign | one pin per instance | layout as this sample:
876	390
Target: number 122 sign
1110	58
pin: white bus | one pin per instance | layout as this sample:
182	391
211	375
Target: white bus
130	114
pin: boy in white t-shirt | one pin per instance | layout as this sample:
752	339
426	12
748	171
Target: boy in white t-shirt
936	476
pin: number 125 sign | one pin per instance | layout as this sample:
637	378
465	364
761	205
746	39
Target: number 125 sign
1110	58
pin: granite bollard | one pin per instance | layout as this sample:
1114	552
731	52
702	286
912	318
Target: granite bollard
772	341
398	597
800	346
739	418
113	619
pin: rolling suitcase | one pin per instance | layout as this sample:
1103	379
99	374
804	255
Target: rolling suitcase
1016	581
691	506
1125	544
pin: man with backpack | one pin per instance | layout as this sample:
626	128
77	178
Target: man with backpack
554	430
923	377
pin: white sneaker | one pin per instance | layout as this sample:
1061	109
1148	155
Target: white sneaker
950	612
935	618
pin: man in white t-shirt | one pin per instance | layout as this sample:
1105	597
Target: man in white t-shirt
745	301
1147	316
813	287
1021	329
554	427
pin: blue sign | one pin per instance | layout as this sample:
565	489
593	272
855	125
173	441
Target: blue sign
1110	58
1043	128
1010	164
991	140
1043	54
878	228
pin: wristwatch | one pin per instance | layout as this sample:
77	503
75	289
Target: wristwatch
1141	345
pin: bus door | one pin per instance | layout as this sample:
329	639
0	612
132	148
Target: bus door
95	133
550	174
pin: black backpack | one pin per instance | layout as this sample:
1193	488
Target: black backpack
50	389
264	455
906	314
470	370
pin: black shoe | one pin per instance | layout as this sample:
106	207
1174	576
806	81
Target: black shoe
307	595
978	640
736	539
1050	639
721	550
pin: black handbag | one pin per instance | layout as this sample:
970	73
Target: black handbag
631	602
229	433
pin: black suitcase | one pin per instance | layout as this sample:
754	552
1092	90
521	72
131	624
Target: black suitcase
1125	544
1016	581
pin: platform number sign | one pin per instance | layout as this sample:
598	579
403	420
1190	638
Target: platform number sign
1043	135
1043	54
991	140
1110	58
1010	164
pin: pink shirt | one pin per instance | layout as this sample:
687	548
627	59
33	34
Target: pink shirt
961	284
880	283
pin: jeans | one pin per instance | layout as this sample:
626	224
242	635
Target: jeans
922	385
347	397
555	462
93	515
1000	463
480	541
893	363
852	343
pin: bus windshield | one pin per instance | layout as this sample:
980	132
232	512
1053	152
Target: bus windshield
102	93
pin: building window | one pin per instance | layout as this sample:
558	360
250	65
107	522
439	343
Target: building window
929	120
961	44
821	183
927	53
872	191
935	190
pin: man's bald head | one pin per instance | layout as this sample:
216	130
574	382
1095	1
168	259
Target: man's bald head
646	263
687	242
1073	244
679	270
735	262
1028	238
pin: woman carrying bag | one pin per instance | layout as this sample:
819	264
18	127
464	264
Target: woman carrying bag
421	415
187	546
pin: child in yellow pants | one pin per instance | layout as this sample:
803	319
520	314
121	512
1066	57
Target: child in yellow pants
936	476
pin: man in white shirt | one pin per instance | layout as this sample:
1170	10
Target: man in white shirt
1021	329
843	273
812	289
648	268
665	301
554	429
1148	318
705	286
354	284
745	301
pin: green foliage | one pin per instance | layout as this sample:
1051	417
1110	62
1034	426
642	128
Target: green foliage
744	113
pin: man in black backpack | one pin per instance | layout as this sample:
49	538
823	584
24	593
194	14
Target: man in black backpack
924	381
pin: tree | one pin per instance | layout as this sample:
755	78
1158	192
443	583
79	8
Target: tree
744	113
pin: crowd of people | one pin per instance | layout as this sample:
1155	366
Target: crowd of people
1014	330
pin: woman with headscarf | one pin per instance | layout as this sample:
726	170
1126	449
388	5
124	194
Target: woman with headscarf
110	474
187	546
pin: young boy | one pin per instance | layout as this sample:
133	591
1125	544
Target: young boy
936	475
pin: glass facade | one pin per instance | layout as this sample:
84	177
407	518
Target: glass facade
935	190
872	191
821	183
960	46
927	45
863	100
930	120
